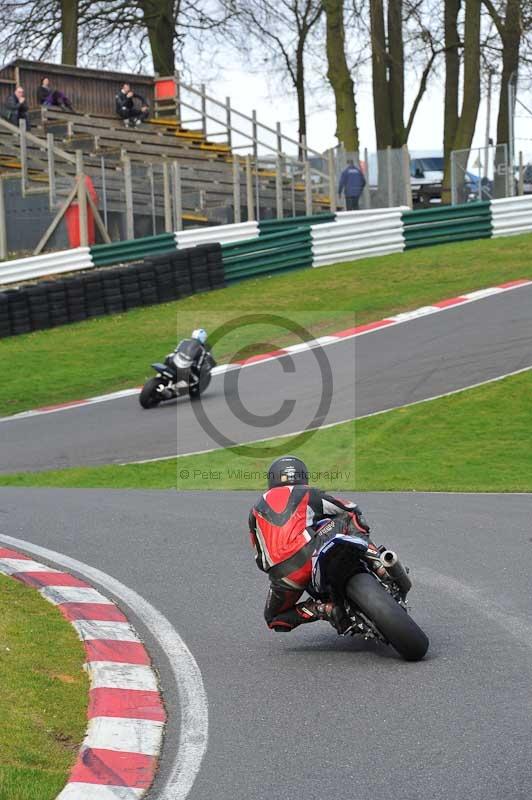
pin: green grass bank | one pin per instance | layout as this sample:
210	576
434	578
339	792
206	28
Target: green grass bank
112	353
479	440
44	698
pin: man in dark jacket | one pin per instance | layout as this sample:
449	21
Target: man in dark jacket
352	182
131	107
16	108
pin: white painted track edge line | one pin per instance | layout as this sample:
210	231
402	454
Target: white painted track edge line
398	319
339	422
193	734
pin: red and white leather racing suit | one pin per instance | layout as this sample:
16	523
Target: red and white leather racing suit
281	531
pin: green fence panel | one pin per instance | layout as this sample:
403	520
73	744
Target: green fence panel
424	215
271	241
131	250
449	228
267	253
449	238
447	224
267	226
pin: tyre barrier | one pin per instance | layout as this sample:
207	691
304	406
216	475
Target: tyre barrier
157	279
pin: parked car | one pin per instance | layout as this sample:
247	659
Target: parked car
527	178
426	176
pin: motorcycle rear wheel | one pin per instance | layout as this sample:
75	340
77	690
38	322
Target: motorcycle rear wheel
389	617
148	397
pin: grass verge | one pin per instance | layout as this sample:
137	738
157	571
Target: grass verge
44	698
112	353
479	440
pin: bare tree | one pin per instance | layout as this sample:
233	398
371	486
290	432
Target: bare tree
391	30
105	33
69	31
509	25
282	28
339	76
460	127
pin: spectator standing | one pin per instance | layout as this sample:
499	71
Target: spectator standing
46	96
16	108
131	107
352	182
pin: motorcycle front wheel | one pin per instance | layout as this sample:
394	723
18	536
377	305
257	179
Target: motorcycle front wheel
389	617
149	397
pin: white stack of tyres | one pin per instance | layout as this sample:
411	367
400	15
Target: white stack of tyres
23	269
511	215
237	232
358	234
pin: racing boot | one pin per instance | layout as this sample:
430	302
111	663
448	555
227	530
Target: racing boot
300	614
334	614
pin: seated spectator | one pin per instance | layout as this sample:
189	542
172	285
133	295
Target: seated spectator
131	107
16	108
47	96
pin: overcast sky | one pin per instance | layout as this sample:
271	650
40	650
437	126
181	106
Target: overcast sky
249	91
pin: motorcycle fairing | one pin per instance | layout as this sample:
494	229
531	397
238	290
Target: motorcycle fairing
356	549
158	367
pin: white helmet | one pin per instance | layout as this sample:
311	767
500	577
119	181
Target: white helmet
200	334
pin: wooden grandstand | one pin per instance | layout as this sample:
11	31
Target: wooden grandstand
130	168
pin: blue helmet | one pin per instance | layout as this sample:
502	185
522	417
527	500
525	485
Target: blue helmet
200	334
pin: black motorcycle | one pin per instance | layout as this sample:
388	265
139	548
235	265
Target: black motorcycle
183	372
370	588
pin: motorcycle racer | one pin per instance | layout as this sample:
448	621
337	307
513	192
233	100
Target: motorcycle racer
197	348
282	533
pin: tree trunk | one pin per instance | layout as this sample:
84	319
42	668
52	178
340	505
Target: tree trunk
396	82
159	20
339	76
379	61
465	128
69	32
300	90
511	41
452	74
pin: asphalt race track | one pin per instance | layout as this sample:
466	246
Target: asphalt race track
413	361
310	715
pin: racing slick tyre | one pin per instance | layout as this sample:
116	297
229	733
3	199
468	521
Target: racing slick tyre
148	396
391	620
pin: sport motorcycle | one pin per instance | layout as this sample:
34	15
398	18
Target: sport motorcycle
180	374
369	586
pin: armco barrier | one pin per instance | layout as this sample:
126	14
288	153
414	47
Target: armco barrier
158	279
271	253
447	224
236	232
511	215
131	250
357	234
24	269
267	226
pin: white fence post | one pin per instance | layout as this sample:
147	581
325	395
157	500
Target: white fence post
3	225
249	189
236	189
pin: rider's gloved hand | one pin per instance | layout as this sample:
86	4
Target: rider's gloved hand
360	520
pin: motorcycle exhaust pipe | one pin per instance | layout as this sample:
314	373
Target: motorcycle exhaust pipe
396	571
